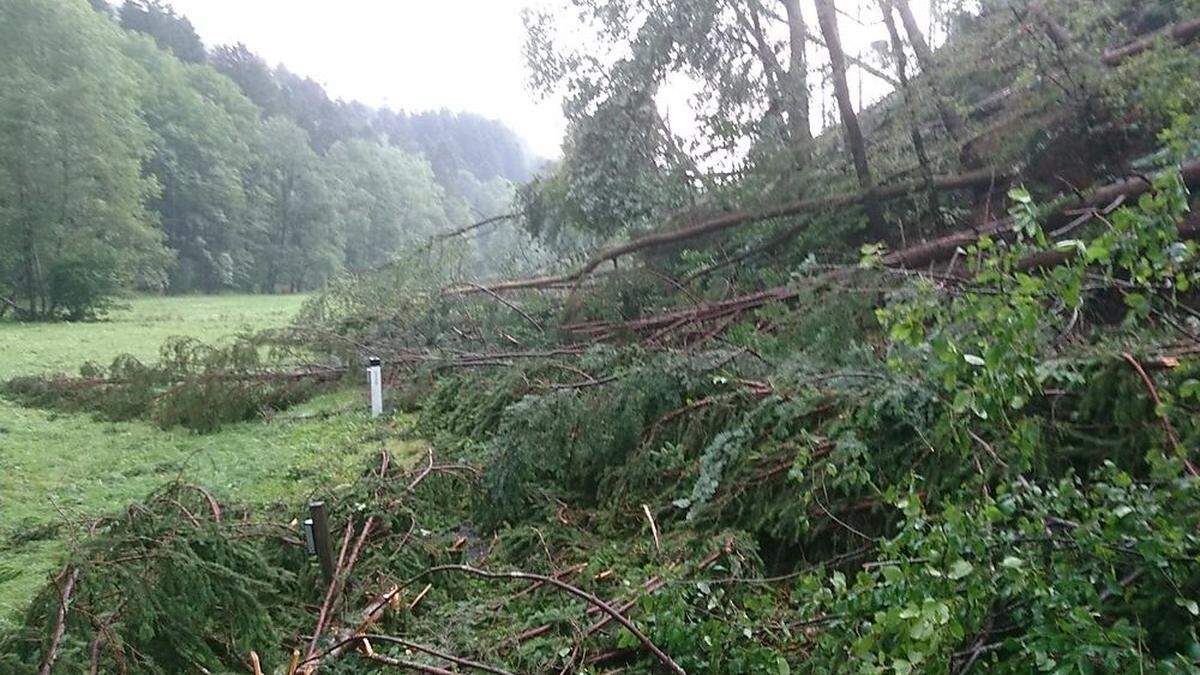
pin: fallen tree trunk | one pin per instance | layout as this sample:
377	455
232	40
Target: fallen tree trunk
1190	229
318	374
598	330
916	256
1182	33
472	227
944	247
69	577
973	179
601	330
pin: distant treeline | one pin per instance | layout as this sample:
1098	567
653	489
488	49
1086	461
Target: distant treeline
132	156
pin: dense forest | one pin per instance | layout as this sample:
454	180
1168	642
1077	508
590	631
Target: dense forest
829	383
135	157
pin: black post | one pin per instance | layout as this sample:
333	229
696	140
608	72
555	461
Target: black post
320	519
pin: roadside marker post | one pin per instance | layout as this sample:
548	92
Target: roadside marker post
320	531
375	379
310	539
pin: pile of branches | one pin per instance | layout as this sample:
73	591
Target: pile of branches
182	582
176	583
193	385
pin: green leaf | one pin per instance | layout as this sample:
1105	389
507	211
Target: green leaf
1012	562
1097	252
960	569
1190	605
839	582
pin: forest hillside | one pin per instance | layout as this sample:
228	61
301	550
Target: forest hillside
135	157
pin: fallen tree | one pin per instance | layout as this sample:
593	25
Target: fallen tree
1180	33
944	247
970	180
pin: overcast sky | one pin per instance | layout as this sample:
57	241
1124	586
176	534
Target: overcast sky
415	55
464	55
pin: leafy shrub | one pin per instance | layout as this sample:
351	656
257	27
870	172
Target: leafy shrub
82	288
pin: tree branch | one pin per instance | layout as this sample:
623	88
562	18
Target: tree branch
663	658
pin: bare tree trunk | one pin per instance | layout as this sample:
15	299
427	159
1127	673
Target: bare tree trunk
951	120
772	71
827	19
787	88
910	110
31	278
799	125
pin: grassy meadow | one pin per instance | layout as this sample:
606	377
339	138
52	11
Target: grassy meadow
56	470
138	326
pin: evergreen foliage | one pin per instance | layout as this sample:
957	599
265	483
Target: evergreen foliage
192	385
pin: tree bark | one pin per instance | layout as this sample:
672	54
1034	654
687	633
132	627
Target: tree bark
951	120
827	19
910	111
945	247
773	72
799	125
1181	33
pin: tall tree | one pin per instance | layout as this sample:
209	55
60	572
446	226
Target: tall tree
454	142
72	192
797	80
170	30
827	20
951	120
744	59
251	73
385	199
908	96
202	128
298	246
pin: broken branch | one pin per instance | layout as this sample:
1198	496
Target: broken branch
613	614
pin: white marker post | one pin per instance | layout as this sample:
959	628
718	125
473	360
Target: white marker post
375	378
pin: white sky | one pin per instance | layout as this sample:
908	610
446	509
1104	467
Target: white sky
415	55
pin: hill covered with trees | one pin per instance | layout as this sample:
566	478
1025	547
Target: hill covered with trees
913	389
131	156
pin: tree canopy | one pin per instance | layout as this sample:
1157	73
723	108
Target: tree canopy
136	158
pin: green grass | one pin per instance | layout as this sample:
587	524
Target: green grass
58	470
138	328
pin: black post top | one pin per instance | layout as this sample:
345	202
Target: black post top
373	361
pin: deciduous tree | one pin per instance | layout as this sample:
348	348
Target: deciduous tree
72	191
